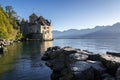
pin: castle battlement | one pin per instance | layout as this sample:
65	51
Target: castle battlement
36	28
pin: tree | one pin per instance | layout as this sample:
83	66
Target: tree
9	24
12	16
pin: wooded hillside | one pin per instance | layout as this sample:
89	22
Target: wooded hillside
9	26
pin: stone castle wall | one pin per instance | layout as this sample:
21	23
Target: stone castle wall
36	28
46	32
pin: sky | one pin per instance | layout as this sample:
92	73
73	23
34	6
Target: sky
69	14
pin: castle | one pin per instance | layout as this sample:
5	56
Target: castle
36	28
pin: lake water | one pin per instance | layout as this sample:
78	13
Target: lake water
23	61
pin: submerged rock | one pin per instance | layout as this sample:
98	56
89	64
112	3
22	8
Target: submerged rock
3	49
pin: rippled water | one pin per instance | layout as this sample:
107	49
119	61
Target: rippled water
23	61
95	45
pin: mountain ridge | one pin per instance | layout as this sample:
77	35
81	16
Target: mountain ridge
112	31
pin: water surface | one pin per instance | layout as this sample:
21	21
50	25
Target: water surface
94	45
23	61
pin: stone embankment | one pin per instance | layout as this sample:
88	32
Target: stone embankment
74	64
3	44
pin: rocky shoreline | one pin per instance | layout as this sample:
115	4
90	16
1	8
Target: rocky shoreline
74	64
5	43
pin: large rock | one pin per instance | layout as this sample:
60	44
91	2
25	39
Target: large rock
82	71
99	69
113	53
78	56
3	45
91	55
3	49
52	53
69	50
111	62
107	76
56	64
118	74
94	57
74	64
87	70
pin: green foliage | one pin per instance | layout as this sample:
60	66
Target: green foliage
19	35
9	29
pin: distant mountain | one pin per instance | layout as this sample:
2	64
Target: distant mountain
97	32
108	32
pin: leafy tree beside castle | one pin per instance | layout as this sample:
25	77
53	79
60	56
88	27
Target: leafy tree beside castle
9	24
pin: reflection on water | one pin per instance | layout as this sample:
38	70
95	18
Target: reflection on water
8	58
45	45
23	62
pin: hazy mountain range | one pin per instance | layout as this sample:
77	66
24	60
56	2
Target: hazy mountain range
97	32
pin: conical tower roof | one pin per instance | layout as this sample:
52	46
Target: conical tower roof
33	15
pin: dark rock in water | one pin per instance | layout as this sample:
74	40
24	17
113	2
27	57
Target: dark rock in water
45	57
3	45
69	50
118	74
113	54
87	70
56	48
111	62
78	56
94	57
98	68
107	76
3	49
91	55
66	74
58	64
82	71
74	64
87	51
51	53
55	76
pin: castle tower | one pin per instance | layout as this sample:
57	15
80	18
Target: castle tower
24	27
45	28
46	32
32	18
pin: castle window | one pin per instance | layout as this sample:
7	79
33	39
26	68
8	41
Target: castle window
47	27
45	32
44	27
